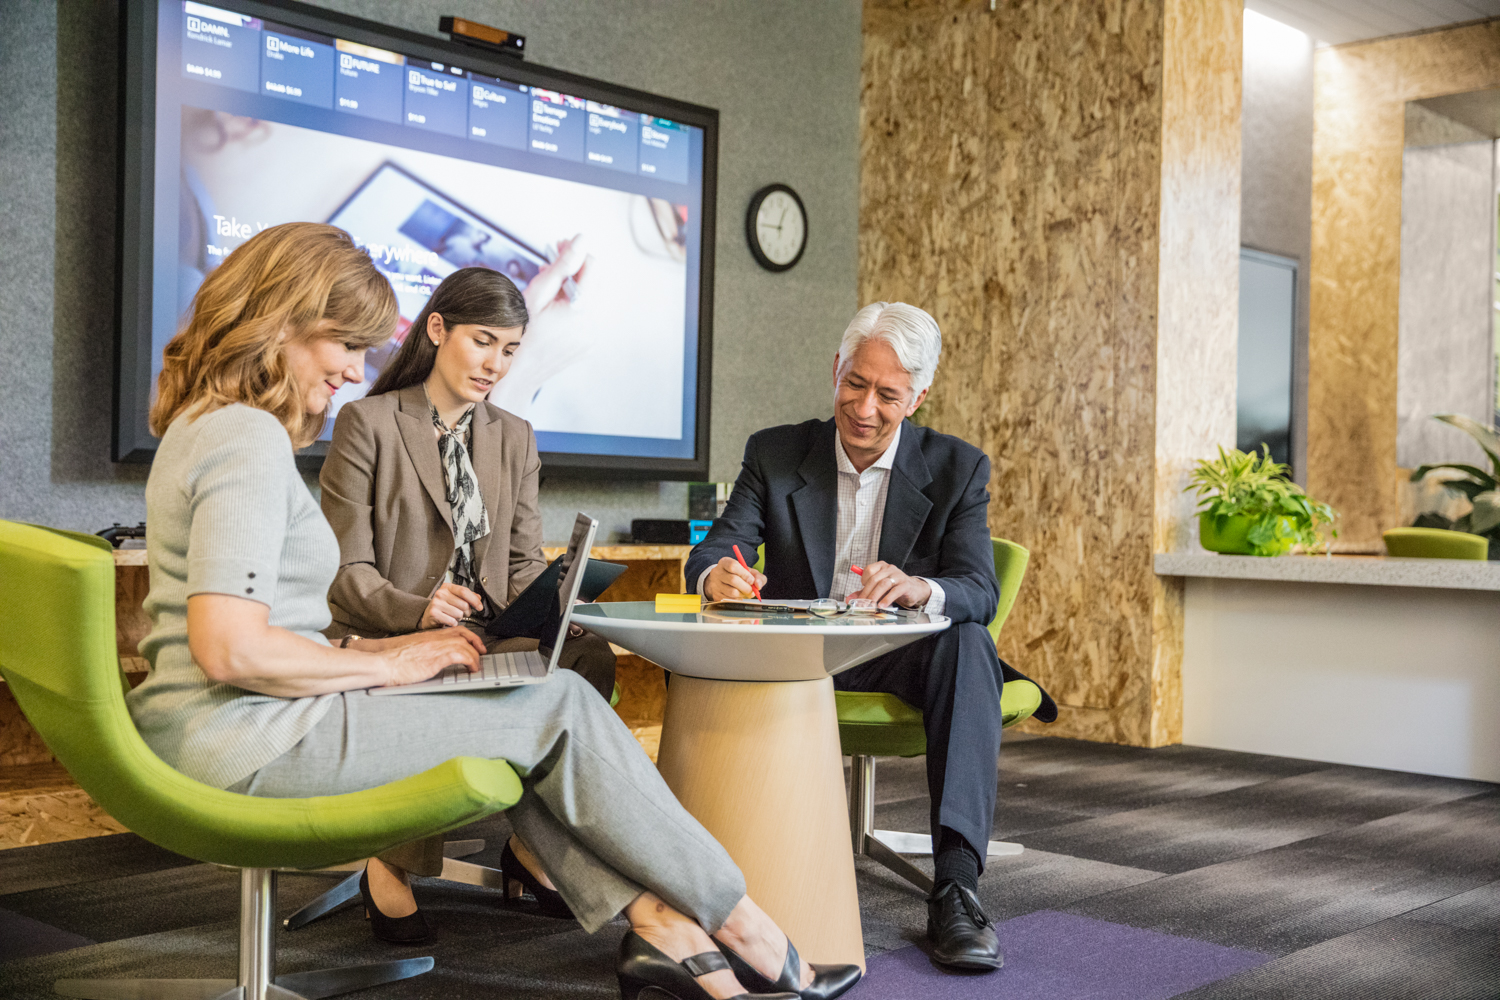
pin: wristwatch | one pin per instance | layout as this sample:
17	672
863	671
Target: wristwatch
351	637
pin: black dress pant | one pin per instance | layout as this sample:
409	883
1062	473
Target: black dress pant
954	677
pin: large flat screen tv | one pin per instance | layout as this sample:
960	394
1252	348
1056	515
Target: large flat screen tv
435	156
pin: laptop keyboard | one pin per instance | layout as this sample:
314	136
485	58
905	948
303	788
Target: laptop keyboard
495	666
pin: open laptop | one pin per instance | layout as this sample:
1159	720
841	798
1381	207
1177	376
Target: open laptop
501	670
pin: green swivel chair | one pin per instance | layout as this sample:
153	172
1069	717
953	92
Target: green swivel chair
57	653
873	724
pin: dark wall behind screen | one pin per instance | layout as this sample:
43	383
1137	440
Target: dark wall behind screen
784	75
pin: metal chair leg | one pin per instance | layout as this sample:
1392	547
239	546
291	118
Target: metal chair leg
257	971
347	891
887	846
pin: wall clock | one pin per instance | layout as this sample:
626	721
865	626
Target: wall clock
776	226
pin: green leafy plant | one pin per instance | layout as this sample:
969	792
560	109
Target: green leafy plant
1244	484
1482	488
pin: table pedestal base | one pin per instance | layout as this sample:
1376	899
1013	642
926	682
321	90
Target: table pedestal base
758	764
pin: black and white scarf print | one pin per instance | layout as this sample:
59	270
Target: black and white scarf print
470	519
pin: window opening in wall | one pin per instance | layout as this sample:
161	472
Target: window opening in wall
1495	315
1268	323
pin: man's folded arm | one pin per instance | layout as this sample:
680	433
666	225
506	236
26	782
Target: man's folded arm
742	523
966	571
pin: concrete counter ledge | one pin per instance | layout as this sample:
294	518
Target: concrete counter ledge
1378	571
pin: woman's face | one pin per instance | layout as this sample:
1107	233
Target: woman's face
320	365
471	357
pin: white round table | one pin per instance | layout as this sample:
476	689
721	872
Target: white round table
750	747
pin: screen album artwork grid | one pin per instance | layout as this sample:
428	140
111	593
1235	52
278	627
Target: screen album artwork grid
498	670
432	167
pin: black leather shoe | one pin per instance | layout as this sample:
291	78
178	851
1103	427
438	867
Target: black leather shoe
645	971
829	981
962	934
549	902
410	929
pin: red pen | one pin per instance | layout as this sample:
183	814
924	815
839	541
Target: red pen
856	570
753	588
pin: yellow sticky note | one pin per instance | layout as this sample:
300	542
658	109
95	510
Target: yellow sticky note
678	603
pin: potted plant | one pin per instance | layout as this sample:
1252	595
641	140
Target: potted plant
1248	506
1481	488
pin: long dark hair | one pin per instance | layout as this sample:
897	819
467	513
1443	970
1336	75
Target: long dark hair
468	295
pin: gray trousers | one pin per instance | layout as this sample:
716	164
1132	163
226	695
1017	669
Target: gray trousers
593	807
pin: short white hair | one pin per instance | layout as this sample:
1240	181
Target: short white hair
911	332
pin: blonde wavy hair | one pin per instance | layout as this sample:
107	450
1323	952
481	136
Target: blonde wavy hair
300	280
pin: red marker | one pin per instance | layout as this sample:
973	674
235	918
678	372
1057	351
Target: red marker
856	570
753	588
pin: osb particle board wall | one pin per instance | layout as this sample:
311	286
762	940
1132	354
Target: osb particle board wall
1059	184
1360	93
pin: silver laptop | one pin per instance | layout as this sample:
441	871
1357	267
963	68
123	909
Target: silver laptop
501	670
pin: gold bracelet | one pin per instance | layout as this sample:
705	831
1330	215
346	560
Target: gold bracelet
351	637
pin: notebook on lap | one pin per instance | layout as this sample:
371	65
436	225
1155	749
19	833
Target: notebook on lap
500	670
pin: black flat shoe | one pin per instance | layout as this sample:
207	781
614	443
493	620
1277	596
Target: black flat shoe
549	902
410	929
647	974
962	934
829	981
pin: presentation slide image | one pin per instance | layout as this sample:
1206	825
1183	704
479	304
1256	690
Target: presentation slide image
422	216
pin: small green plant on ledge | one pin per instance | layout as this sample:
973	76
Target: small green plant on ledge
1482	488
1248	505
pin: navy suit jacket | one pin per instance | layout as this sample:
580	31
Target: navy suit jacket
935	522
935	525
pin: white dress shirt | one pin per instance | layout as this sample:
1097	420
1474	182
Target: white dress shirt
861	500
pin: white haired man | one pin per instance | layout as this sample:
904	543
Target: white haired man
908	505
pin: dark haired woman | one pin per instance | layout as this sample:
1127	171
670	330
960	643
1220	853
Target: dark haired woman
432	492
431	489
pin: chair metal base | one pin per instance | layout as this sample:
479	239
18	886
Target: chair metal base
347	891
887	846
257	975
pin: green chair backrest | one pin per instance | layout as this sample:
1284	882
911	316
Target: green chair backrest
57	653
1010	569
1436	543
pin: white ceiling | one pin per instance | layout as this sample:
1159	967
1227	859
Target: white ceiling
1338	21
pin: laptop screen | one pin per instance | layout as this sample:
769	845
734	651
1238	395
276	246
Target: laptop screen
575	559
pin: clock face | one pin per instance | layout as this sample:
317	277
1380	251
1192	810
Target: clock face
780	228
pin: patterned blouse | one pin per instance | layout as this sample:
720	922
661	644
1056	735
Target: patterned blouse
470	518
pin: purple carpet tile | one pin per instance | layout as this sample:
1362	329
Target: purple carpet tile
23	937
1057	956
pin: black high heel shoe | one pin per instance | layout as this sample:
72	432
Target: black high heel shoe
410	929
549	902
645	971
829	981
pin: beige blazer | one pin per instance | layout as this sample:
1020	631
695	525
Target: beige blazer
383	494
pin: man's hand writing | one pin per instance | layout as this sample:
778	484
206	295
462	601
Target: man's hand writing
729	581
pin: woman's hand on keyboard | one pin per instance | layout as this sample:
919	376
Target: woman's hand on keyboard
420	655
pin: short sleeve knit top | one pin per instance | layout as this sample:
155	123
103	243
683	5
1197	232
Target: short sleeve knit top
228	514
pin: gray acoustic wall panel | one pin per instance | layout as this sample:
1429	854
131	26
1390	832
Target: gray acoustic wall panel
783	74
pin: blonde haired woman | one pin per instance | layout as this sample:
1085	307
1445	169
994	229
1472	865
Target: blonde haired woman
245	693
